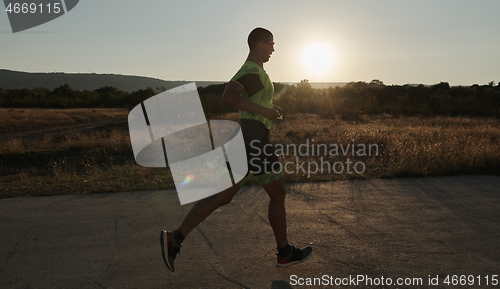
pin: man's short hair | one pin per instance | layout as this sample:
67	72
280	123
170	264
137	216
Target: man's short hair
257	35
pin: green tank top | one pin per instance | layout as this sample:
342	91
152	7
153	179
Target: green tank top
258	88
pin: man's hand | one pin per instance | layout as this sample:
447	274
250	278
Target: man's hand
270	113
279	110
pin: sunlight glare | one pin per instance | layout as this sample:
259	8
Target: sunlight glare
318	59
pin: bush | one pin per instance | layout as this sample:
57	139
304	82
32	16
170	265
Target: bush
348	102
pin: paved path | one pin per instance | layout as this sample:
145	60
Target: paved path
397	228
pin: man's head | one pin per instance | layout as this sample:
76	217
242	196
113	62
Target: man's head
261	41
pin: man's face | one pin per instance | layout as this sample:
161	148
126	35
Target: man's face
268	48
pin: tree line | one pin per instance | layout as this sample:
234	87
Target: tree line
349	102
66	97
358	98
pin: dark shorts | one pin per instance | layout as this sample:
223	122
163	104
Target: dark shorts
261	157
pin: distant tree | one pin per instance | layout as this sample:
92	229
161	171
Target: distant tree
160	89
304	84
139	96
358	85
441	85
376	83
212	89
279	88
110	96
106	90
304	90
63	90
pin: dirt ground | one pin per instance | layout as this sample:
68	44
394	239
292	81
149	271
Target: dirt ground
378	231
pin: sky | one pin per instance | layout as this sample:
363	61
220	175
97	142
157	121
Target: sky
395	41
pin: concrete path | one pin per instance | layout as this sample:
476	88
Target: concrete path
388	228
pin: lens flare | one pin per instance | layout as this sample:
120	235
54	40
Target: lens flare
189	178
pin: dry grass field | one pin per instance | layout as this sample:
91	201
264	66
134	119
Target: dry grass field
312	149
407	146
14	120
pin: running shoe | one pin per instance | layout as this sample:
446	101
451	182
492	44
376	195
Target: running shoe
172	251
296	256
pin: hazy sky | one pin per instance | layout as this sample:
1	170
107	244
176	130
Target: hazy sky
395	41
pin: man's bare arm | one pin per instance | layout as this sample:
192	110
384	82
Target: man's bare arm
232	98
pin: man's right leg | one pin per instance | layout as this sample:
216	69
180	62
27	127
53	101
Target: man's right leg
199	212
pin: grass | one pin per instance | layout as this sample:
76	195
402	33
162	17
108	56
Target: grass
78	162
14	120
101	159
407	146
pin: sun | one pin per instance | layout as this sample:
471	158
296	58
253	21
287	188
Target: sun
318	59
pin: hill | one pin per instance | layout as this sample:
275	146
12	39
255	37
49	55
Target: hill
90	81
85	81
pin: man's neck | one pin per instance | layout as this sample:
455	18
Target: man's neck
256	59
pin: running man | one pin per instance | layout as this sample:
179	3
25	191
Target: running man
251	92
